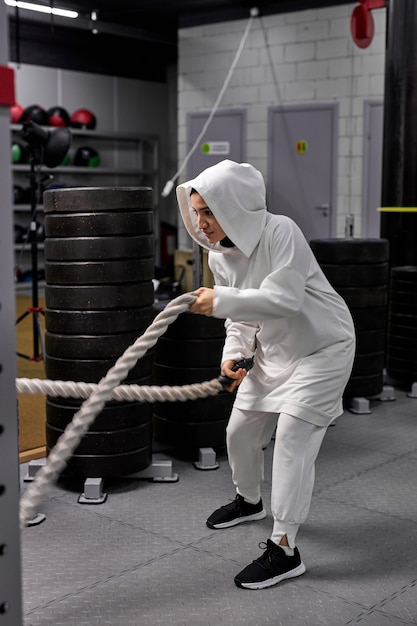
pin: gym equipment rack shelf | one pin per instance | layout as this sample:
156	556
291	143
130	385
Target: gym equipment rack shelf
124	160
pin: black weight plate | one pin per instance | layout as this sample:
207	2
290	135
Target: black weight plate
364	364
111	442
107	466
350	251
81	199
212	408
362	297
99	272
369	318
401	308
408	321
192	326
403	297
114	415
92	371
98	248
403	370
190	435
190	352
168	375
93	297
356	275
370	341
404	272
99	224
88	346
364	386
407	353
409	287
404	342
98	322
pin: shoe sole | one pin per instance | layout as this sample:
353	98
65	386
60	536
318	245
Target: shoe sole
239	520
263	584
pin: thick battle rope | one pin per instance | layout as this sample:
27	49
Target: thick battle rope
96	397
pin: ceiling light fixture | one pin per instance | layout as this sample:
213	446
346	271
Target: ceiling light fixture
94	18
29	6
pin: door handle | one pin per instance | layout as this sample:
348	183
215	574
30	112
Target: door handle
324	208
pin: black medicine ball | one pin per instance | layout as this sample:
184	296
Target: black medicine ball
19	195
83	118
86	156
35	113
58	116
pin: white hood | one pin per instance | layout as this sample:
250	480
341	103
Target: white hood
235	193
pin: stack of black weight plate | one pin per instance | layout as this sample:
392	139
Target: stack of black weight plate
99	266
402	325
358	270
190	352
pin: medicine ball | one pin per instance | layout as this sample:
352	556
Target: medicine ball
35	113
86	156
83	118
20	233
20	152
16	112
58	116
18	195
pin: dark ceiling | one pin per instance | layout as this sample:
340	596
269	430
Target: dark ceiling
135	38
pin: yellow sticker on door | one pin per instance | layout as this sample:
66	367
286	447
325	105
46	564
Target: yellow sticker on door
302	146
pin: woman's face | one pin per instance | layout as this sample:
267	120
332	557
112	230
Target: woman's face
206	220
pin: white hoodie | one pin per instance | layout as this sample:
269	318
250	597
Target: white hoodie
276	300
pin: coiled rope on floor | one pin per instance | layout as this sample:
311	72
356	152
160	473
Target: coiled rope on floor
97	395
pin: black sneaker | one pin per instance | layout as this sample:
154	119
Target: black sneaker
270	568
236	512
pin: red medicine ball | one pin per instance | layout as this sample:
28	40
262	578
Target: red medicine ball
16	112
83	118
58	116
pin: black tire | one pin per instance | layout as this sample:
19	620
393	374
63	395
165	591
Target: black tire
96	297
350	251
98	248
99	272
99	254
190	435
102	322
98	223
93	370
192	356
358	271
88	346
402	324
360	275
81	199
115	415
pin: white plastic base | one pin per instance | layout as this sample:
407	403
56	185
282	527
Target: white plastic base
206	459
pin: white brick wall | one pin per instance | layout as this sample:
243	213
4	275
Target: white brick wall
315	60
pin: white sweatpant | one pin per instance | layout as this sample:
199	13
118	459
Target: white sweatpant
297	444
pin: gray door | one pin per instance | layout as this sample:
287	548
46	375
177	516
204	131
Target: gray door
372	169
301	165
225	138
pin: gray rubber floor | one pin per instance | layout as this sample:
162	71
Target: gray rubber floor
145	556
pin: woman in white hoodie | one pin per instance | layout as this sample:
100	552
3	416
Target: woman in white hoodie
281	310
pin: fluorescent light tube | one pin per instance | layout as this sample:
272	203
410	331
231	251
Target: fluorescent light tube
41	8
